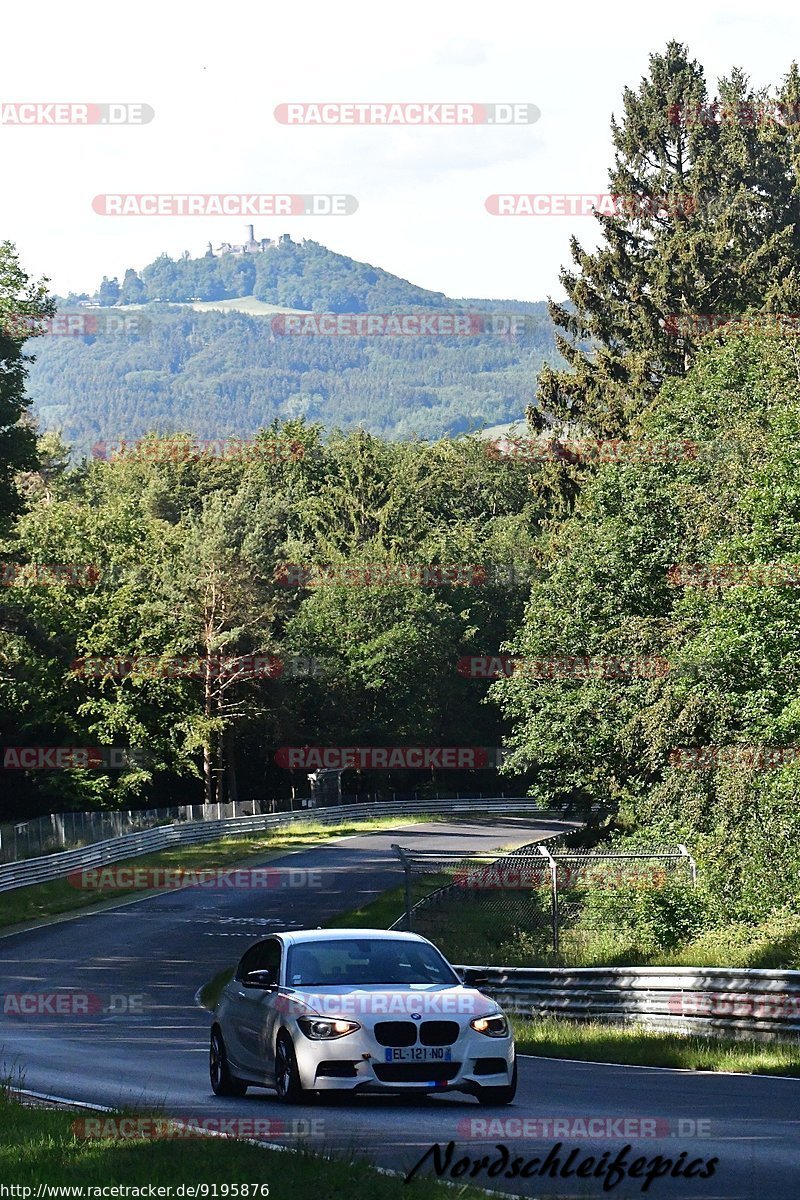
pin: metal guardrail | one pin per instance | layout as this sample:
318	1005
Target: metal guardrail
53	832
720	1001
55	866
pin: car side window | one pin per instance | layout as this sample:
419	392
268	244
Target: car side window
265	956
270	959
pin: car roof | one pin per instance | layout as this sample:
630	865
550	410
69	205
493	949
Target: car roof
336	935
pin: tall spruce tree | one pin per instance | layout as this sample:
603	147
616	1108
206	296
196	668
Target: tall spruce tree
707	222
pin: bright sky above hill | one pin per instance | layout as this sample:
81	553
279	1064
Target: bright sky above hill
215	73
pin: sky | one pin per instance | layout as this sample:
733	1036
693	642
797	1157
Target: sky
214	74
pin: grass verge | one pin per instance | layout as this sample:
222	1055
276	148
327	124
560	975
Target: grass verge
39	1146
555	1037
44	900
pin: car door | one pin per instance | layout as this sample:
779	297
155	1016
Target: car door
256	1009
235	1006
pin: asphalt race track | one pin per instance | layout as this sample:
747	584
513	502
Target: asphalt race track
154	953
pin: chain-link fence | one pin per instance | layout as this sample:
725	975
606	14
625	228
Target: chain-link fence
70	830
65	831
481	906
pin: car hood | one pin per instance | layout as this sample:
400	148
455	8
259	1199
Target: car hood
372	1003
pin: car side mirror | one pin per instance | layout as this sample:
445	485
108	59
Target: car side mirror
474	978
261	979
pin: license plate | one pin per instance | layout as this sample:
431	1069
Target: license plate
419	1054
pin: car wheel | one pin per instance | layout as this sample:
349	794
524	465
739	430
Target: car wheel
222	1082
499	1095
287	1073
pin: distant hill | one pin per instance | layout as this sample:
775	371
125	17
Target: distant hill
211	358
300	275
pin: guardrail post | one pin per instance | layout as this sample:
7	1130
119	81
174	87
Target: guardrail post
407	871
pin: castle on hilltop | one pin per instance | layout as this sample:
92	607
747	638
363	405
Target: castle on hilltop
251	246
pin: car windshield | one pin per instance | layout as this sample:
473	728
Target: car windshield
354	962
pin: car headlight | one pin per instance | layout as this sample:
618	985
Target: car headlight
494	1025
319	1029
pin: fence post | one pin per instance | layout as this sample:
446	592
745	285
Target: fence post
407	871
692	864
553	894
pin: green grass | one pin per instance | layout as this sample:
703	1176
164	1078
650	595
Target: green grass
38	1145
243	304
555	1037
468	927
44	900
772	944
389	907
210	992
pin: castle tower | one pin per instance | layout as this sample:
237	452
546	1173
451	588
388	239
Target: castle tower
250	235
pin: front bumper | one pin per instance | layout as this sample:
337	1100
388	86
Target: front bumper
357	1063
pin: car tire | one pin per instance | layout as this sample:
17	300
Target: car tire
287	1072
499	1095
222	1082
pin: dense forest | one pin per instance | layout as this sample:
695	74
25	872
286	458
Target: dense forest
220	374
185	557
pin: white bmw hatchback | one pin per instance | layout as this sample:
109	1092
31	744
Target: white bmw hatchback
357	1011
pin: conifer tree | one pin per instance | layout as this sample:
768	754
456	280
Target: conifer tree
706	222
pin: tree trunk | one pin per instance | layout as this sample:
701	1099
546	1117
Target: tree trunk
209	798
233	784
